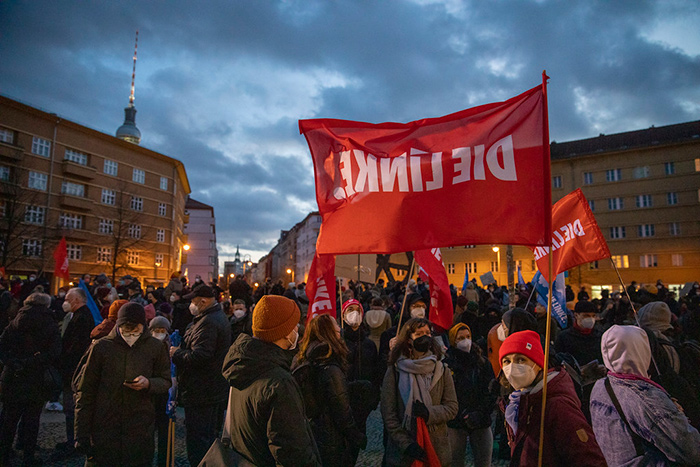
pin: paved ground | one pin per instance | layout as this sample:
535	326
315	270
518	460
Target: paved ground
52	431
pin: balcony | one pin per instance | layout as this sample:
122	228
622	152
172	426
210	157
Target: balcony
85	172
9	152
78	235
75	202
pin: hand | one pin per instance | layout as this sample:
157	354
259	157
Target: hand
392	343
173	350
416	452
140	383
83	446
420	410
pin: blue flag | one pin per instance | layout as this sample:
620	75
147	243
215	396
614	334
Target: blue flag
521	281
558	296
91	303
466	279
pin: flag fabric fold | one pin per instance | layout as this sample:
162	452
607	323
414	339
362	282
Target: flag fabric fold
558	296
60	254
320	286
423	440
441	310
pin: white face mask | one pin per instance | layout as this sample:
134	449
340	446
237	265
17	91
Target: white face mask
67	307
193	309
587	323
159	335
519	375
239	312
465	345
418	312
353	318
294	342
130	338
501	333
173	298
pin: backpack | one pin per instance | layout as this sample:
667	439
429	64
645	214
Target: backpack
689	354
306	376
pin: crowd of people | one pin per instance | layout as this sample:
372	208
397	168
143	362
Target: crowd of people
623	377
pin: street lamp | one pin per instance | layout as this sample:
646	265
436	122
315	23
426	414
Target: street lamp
290	271
186	247
498	262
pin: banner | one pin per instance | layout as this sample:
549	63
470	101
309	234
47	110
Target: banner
441	308
558	296
91	303
60	254
576	238
466	280
320	286
521	281
406	183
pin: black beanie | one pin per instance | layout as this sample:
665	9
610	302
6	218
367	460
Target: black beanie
131	313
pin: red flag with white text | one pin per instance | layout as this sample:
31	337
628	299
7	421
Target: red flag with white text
408	183
441	309
576	237
61	257
320	286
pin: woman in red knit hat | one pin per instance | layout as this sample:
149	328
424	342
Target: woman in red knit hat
568	438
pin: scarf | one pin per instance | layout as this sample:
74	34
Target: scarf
512	410
416	379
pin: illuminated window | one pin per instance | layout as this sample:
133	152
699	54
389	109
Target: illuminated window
621	261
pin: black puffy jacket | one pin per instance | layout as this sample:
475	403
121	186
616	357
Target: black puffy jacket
472	375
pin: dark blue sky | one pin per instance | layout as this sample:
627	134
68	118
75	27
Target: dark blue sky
221	85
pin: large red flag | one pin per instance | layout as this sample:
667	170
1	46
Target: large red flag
441	309
320	286
476	176
61	257
576	238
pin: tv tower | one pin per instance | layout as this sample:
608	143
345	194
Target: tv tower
128	131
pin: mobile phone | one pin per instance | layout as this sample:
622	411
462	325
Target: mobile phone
130	382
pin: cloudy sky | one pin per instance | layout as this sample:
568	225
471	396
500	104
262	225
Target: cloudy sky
221	84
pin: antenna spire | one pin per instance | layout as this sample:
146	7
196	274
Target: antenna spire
133	73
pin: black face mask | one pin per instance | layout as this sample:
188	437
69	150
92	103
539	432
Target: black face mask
422	344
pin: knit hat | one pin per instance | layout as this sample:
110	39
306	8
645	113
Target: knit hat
655	316
131	313
473	306
452	335
114	309
585	306
274	317
349	303
159	322
524	342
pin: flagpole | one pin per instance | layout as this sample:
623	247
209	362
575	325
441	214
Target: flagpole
530	297
405	295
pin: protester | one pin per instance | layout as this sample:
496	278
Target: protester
472	376
114	411
135	294
569	439
582	339
181	312
174	285
159	327
29	349
319	369
241	320
268	424
417	384
634	419
378	320
106	326
202	390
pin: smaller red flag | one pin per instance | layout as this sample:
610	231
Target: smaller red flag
576	237
61	257
320	286
441	310
423	440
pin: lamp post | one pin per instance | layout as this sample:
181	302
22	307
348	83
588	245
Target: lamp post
290	271
498	262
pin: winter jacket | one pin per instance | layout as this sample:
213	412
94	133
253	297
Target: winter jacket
199	359
29	345
568	438
583	347
118	420
378	321
472	375
76	339
444	409
181	316
325	387
240	326
362	356
268	425
668	438
175	285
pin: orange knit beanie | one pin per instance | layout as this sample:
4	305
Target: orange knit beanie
274	317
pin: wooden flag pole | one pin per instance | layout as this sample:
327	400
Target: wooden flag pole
548	334
405	295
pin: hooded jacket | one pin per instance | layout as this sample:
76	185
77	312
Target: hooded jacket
378	321
268	425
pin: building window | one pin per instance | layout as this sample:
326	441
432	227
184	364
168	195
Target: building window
645	230
136	203
7	136
109	197
139	176
132	258
73	189
556	181
75	252
134	231
160	235
494	266
450	268
104	254
41	146
613	175
111	167
4	173
591	204
669	168
617	232
31	247
469	246
212	260
621	261
75	156
70	221
676	260
588	178
35	215
672	198
162	209
159	259
470	268
697	165
674	228
593	265
643	201
647	261
37	181
164	183
615	204
641	172
106	226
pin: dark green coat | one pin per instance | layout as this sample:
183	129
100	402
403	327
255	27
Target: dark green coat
268	425
120	421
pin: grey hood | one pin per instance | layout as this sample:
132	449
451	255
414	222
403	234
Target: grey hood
626	350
